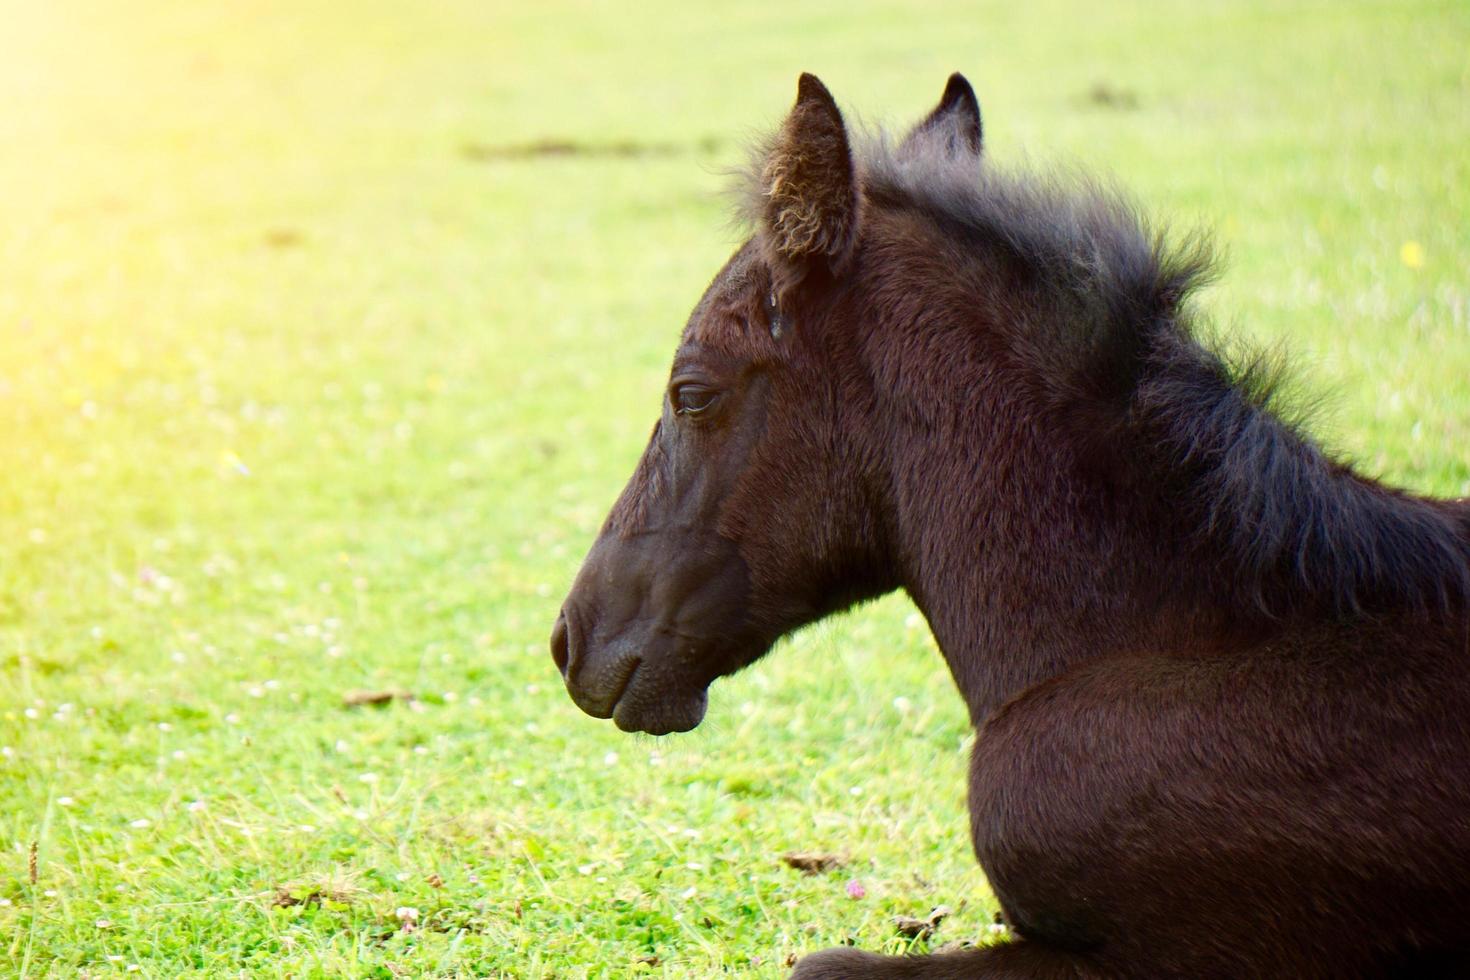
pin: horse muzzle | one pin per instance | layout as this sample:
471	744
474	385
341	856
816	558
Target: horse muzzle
618	680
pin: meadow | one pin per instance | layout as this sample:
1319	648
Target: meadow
328	333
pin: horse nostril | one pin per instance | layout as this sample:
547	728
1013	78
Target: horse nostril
560	644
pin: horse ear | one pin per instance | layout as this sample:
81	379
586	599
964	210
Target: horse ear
954	124
808	182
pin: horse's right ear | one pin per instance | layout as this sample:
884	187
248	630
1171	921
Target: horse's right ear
954	124
808	183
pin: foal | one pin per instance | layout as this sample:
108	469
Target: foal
1221	681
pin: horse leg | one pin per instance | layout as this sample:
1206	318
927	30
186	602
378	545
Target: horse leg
1018	960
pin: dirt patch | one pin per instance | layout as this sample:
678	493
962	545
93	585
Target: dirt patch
356	699
813	864
1111	96
916	928
284	238
340	888
554	147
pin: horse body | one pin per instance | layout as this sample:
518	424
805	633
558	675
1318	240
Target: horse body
1159	753
1241	815
1221	681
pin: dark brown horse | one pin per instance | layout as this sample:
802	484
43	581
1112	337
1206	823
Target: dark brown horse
1221	681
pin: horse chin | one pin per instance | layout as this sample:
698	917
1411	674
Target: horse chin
661	713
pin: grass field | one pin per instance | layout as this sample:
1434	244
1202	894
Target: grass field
314	377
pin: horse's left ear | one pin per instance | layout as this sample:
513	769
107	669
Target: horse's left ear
954	124
809	186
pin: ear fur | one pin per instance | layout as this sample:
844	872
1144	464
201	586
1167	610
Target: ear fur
808	183
954	124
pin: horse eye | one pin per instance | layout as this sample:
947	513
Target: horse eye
692	399
773	317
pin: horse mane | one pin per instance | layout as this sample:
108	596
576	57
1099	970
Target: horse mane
1113	341
1302	527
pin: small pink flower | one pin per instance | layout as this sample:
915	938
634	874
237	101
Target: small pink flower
855	889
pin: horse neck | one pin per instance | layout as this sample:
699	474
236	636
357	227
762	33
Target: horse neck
1209	523
1021	565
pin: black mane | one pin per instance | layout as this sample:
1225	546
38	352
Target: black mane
1300	529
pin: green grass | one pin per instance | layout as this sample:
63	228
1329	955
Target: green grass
300	394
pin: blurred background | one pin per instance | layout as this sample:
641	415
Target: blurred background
328	333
